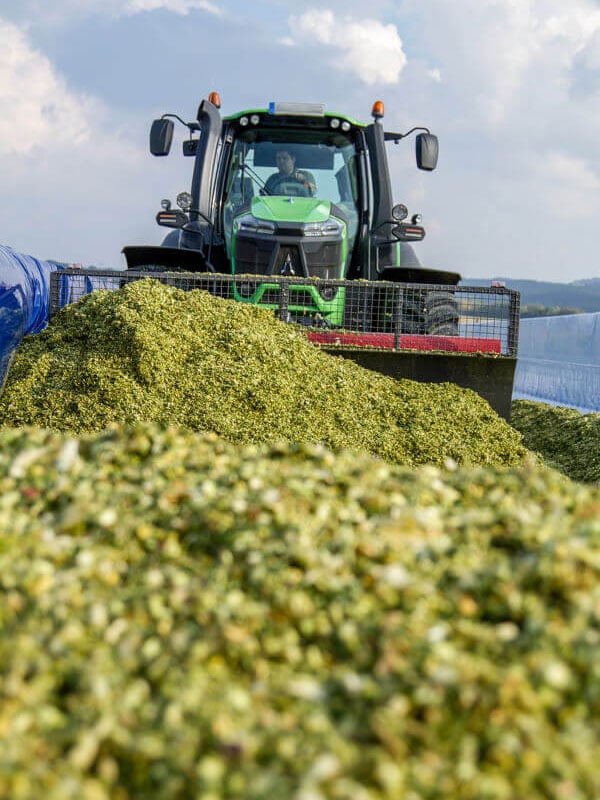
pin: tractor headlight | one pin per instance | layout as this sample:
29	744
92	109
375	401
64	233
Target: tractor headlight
248	223
331	227
327	292
184	201
399	212
246	288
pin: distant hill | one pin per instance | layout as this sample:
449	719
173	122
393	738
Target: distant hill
587	282
581	294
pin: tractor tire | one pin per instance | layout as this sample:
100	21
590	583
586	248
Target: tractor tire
432	312
375	309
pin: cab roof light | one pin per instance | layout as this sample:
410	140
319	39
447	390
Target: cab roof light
215	99
378	109
298	109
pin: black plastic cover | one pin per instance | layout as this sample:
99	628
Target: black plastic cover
420	275
167	257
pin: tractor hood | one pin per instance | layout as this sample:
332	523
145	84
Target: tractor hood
291	209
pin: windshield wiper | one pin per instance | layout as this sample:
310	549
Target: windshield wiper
256	177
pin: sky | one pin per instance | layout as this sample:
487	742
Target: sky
510	87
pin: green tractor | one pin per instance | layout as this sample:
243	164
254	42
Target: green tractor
292	201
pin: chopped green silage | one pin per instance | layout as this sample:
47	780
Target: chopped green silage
185	618
153	353
565	438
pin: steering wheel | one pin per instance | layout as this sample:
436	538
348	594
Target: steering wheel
290	186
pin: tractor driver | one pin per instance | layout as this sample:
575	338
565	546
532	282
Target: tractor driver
288	174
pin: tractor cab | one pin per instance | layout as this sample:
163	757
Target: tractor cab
291	201
301	172
289	190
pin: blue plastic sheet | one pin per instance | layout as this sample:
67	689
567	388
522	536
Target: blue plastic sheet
24	299
559	361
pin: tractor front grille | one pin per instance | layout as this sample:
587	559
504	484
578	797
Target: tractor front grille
266	256
252	256
323	258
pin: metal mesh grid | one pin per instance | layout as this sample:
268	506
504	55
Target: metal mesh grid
345	314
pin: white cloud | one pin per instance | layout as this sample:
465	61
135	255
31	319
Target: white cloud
176	6
585	72
518	117
36	106
497	54
69	172
366	47
59	12
576	25
575	186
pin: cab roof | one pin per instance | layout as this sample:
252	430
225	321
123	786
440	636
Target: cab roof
293	110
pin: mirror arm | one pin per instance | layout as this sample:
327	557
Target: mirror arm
395	137
192	126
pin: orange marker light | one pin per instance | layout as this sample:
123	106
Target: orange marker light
214	98
378	110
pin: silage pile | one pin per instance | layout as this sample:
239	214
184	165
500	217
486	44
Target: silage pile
190	615
566	439
153	353
185	618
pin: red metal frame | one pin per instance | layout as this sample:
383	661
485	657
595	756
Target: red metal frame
407	341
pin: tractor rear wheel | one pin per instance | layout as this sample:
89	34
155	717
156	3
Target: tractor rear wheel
432	312
422	311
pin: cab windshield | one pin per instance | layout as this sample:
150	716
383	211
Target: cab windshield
267	163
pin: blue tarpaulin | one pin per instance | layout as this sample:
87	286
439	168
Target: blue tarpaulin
559	361
24	299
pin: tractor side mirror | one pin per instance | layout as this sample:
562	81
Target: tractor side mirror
427	151
161	136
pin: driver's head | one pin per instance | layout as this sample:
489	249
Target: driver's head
286	162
